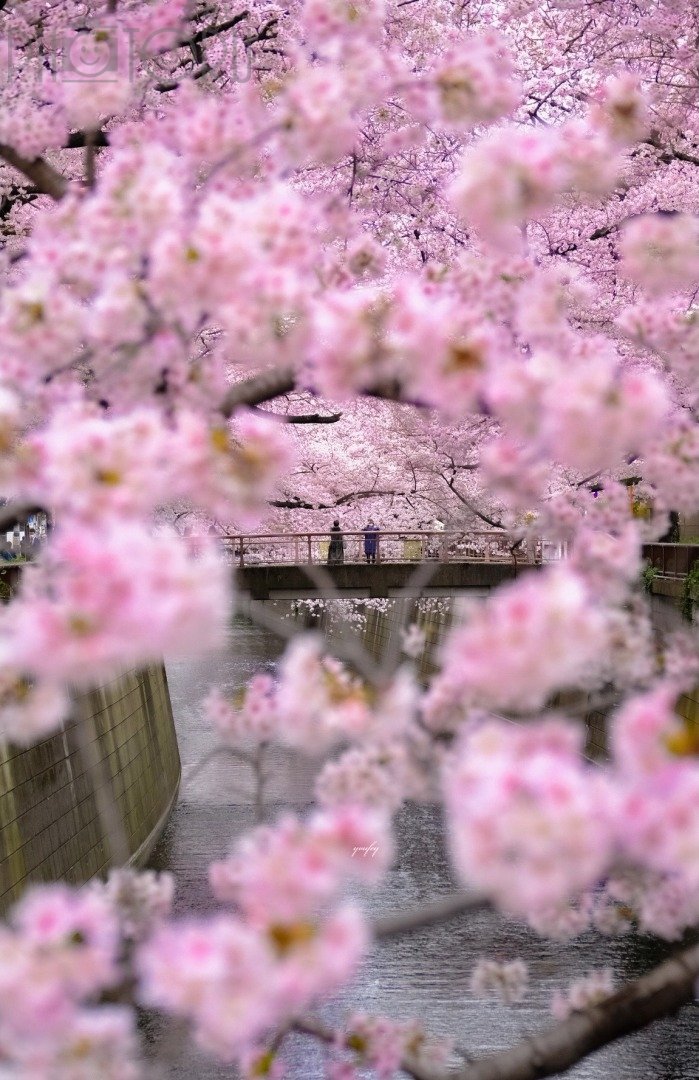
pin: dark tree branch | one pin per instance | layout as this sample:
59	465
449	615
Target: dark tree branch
77	139
659	993
263	34
13	513
277	381
439	911
258	388
171	84
267	31
669	153
470	506
301	418
90	161
605	230
46	179
312	418
410	1063
300	504
214	31
16	195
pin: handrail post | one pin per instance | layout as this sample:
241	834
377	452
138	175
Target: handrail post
310	554
242	551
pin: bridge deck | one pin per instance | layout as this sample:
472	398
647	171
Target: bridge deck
361	581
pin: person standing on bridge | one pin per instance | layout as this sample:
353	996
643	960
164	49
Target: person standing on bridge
371	541
336	551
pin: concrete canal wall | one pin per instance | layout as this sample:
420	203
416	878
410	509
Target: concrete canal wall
435	618
49	822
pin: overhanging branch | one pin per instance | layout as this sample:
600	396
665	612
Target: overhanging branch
13	513
659	993
310	418
277	381
437	912
469	505
301	418
46	179
258	388
343	500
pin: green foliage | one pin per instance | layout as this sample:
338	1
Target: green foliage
5	589
648	576
690	592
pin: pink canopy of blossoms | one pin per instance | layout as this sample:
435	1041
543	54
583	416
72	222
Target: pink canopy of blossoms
475	235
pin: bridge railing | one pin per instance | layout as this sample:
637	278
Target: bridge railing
672	560
292	549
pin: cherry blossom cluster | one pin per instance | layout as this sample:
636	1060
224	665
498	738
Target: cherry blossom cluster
508	980
290	940
590	990
495	661
380	754
61	949
489	215
315	703
528	820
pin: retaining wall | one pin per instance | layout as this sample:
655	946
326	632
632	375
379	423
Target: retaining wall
50	828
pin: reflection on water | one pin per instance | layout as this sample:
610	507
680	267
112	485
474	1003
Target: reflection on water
425	974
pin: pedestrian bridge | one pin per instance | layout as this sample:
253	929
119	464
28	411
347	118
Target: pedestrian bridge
419	563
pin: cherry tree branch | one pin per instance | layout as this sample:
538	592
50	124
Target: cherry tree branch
171	84
312	418
258	388
46	179
77	139
16	195
404	922
299	504
277	381
470	506
266	31
301	418
214	31
13	513
410	1063
659	993
670	153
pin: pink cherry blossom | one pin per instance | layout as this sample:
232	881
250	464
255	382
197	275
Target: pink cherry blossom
581	994
312	859
90	622
508	980
528	822
495	659
660	252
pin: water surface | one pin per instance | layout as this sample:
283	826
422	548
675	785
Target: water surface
425	974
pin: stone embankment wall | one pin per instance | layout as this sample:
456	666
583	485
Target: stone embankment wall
50	827
434	621
434	617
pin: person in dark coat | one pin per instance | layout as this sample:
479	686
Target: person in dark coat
371	541
336	551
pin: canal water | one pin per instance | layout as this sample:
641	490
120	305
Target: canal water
425	974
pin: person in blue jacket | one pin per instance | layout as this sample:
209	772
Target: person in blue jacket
371	541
